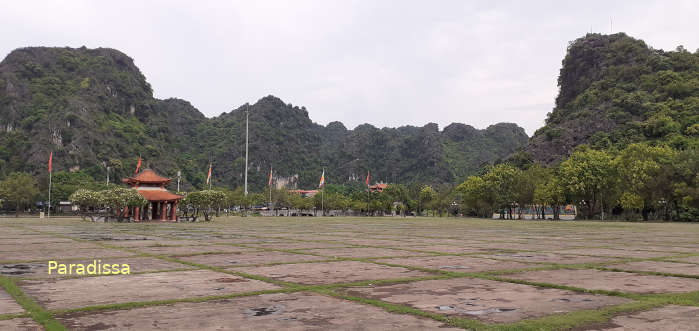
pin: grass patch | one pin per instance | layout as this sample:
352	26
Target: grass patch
35	311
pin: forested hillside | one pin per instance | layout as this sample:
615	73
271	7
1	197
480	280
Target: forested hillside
93	108
616	90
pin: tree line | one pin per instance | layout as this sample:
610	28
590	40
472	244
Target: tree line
640	182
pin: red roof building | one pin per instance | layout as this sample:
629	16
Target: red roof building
305	193
163	204
378	187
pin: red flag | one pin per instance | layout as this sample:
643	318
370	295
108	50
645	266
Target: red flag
208	176
138	166
322	179
50	161
367	178
269	183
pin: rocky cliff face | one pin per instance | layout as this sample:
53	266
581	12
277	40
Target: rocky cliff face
615	90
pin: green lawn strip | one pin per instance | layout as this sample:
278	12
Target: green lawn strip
142	304
36	312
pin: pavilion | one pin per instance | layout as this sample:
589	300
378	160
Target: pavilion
162	203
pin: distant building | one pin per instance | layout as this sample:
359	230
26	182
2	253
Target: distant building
163	204
66	207
378	187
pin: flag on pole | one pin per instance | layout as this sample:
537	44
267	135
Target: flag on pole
208	176
269	183
138	166
367	178
50	161
322	179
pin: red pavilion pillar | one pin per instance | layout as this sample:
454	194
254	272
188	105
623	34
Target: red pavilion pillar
136	214
173	211
163	214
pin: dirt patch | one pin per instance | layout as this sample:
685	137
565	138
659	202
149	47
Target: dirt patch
486	300
90	291
611	281
293	312
331	272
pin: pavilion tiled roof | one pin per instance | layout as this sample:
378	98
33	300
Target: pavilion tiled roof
159	195
147	176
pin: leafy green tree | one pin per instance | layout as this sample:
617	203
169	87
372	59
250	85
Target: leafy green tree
501	183
19	189
550	193
118	198
587	175
427	195
205	202
86	200
640	168
476	196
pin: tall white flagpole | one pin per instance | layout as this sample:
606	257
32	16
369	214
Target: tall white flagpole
246	149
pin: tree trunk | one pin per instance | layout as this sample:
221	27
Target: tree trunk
644	213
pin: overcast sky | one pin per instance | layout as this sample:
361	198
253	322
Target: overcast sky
388	63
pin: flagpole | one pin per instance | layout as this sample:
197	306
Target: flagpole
322	194
247	112
48	214
48	211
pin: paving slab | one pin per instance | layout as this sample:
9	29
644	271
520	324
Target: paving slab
194	249
23	324
331	272
615	252
51	254
8	305
660	266
677	318
90	291
292	312
486	300
691	259
457	263
40	269
362	252
249	258
543	257
451	249
298	245
593	279
8	250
